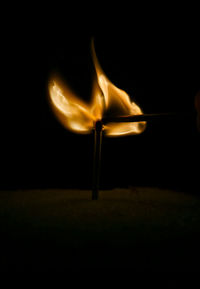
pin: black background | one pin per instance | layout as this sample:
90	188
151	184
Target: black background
153	54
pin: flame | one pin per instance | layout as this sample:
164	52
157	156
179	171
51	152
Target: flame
107	99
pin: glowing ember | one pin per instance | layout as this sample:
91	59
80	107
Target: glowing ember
107	99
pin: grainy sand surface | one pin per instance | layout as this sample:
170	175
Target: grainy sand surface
140	228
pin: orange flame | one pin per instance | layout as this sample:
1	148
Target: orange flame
80	117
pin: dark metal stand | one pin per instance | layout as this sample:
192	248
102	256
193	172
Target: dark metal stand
131	118
97	159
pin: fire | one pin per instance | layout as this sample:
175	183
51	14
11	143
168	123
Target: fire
107	99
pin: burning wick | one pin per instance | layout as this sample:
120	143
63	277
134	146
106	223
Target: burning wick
98	116
79	117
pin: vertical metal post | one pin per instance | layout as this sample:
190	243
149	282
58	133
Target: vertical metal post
97	159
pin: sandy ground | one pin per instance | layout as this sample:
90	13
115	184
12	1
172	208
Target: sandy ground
141	228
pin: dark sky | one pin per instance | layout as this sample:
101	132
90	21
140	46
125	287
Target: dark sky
152	56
